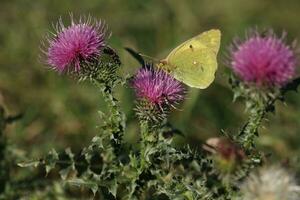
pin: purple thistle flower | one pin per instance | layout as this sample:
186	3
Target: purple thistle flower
263	60
157	87
74	44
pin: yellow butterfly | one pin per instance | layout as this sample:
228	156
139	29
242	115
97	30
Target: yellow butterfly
194	62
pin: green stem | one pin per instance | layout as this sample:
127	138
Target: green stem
258	110
115	121
148	141
250	129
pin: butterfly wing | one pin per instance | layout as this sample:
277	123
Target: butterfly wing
194	68
211	39
195	61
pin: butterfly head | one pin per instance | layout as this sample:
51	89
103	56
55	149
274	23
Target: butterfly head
164	65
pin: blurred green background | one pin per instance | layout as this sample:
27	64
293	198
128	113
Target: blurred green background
60	113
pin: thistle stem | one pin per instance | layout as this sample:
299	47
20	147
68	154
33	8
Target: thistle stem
115	120
258	112
149	139
250	129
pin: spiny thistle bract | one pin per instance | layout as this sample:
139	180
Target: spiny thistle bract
157	91
270	183
75	44
265	60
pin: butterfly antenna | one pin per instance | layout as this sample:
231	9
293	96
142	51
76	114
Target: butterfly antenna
149	57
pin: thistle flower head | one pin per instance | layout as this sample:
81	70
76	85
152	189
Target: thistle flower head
156	91
272	183
263	60
74	44
157	87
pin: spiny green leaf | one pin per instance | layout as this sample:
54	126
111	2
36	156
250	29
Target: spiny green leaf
112	187
51	160
82	183
29	164
64	173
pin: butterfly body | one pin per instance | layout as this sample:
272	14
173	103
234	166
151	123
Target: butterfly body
194	62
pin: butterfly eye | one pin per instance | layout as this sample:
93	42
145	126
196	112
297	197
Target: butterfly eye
191	47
